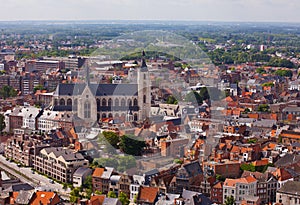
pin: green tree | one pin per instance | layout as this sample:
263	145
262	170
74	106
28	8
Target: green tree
38	87
248	167
284	73
88	182
263	108
260	70
172	100
2	123
74	195
131	145
204	93
111	194
97	192
229	200
8	91
194	97
108	162
112	138
123	198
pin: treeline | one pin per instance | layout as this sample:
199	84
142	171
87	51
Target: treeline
222	56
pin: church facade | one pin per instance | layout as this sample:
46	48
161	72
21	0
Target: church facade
93	102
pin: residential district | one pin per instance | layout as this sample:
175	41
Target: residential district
111	132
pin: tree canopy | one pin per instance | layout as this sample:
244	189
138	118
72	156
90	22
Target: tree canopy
8	91
132	145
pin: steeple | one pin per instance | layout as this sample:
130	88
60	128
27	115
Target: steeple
87	74
144	65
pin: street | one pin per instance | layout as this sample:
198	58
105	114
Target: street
37	180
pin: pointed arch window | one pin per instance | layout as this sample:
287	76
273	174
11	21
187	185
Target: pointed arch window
87	109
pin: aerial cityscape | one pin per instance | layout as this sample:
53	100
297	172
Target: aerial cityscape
166	110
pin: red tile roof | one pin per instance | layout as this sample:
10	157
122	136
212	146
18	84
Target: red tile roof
148	194
98	172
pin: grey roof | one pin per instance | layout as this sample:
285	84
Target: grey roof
193	168
195	198
20	187
291	109
152	172
107	173
114	89
67	154
115	178
24	197
82	171
291	187
264	123
246	120
97	89
111	201
287	159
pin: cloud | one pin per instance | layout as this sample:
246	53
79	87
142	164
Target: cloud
217	10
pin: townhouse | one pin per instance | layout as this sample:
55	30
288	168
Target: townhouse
59	163
239	188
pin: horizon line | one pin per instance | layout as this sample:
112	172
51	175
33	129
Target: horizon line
148	20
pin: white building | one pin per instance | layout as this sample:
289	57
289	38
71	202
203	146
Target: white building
135	186
240	188
48	121
29	115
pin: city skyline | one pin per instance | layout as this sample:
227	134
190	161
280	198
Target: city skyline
201	10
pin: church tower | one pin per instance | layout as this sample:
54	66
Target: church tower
144	90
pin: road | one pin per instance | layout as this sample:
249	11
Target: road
34	179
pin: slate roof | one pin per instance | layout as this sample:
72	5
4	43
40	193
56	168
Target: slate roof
193	169
98	89
81	171
20	187
195	198
287	160
114	89
290	187
67	154
111	201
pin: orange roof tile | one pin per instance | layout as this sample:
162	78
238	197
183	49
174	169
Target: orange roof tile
42	197
13	197
98	172
97	200
259	163
245	180
148	194
218	185
235	149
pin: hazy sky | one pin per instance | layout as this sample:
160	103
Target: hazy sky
215	10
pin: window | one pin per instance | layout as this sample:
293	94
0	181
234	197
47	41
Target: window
62	102
144	99
109	102
117	102
69	102
87	109
103	102
123	103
